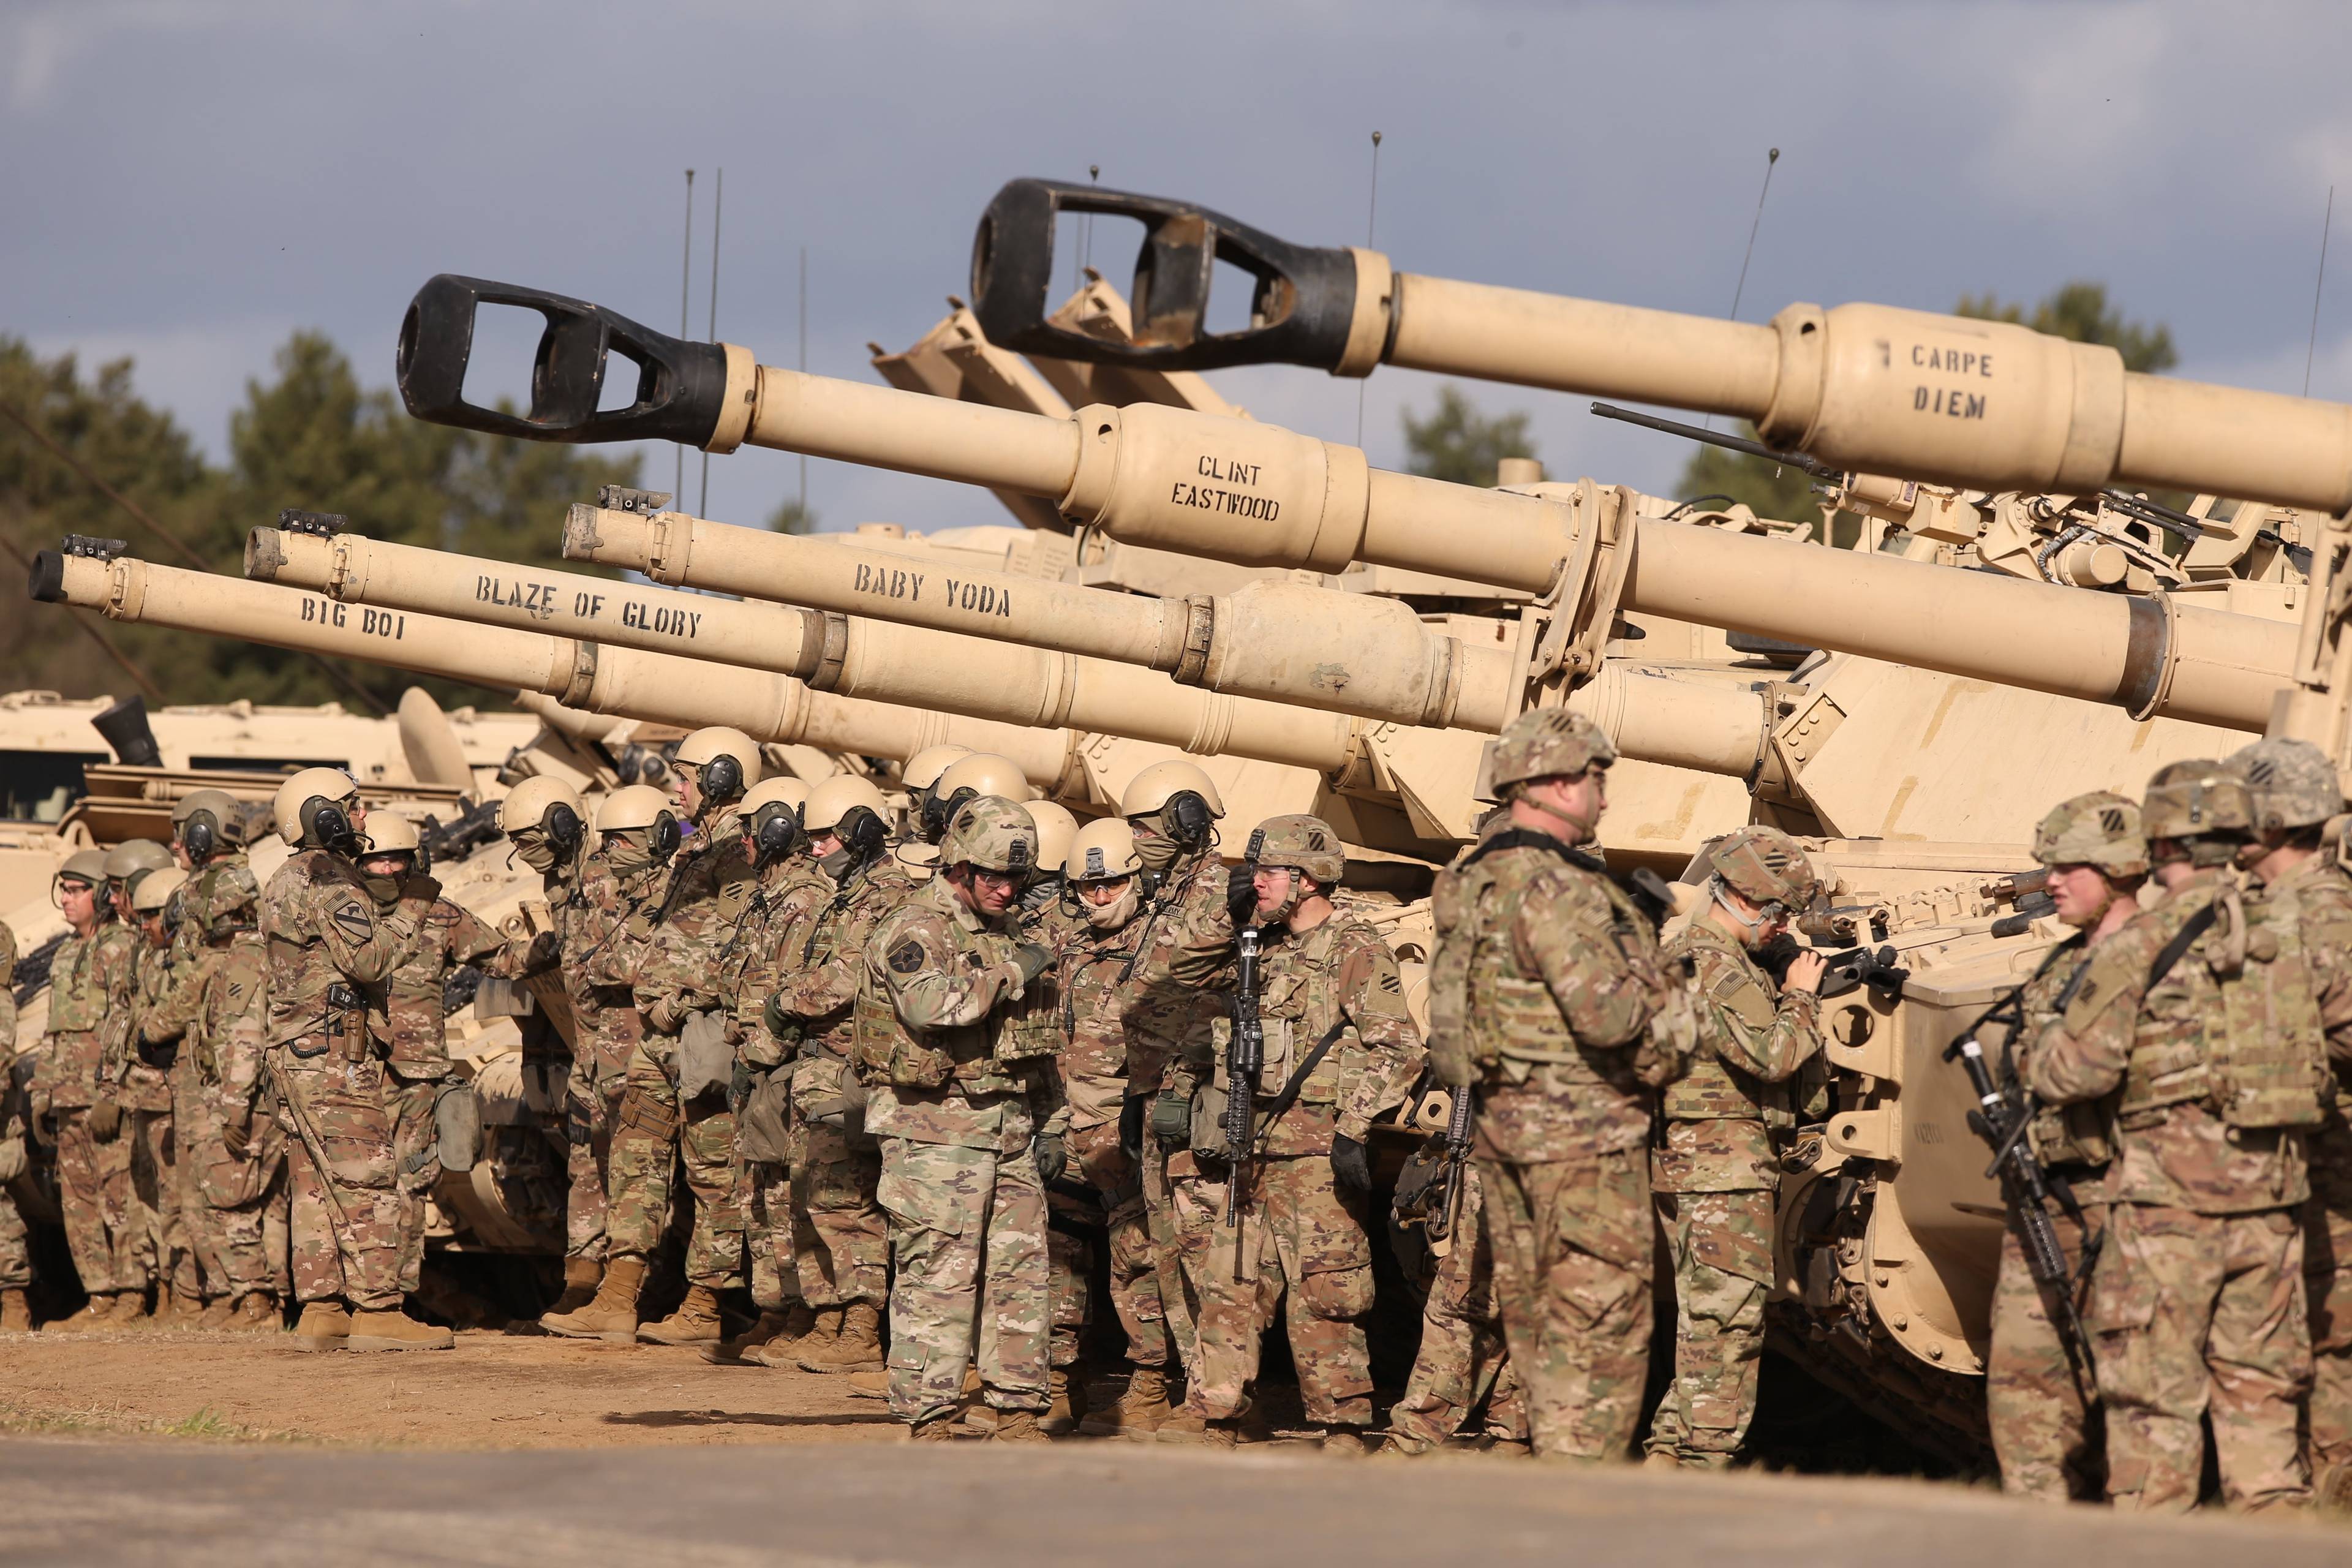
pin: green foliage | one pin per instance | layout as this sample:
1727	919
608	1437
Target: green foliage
2077	311
310	437
792	517
1459	443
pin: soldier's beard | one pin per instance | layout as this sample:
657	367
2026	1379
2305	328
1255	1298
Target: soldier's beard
1117	912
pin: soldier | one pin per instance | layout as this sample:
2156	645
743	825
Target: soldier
620	883
788	892
164	968
1717	1167
919	776
406	1014
544	820
2199	1010
966	779
2294	793
74	1092
1339	1053
1043	907
1547	991
2038	1388
144	1093
1462	1361
15	1249
1173	808
684	1065
966	1106
840	1240
1101	867
325	946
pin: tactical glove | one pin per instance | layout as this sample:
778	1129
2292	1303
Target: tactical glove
1350	1167
105	1121
1240	896
1050	1155
1031	961
739	1084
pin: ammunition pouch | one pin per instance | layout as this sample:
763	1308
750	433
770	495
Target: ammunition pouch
843	1110
1205	1127
159	1057
706	1058
764	1122
1031	1027
641	1114
457	1125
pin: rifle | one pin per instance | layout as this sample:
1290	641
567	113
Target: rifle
468	831
1245	1058
1458	1120
2026	1187
32	971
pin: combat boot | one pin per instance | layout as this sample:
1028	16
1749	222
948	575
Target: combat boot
859	1343
1184	1426
695	1322
1346	1442
581	1278
97	1313
185	1312
1139	1411
256	1314
1065	1403
16	1313
937	1429
217	1313
1019	1426
389	1328
612	1315
2331	1495
130	1312
792	1334
323	1326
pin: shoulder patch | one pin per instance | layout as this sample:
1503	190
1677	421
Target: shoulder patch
907	957
1390	982
354	922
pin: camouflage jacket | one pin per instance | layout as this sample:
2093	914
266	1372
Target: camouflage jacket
604	933
824	953
1095	1020
220	898
216	910
1548	981
1738	1087
2322	896
756	959
322	933
1340	977
1172	998
7	1000
2174	1150
91	982
404	1009
2080	1136
226	1038
160	978
708	888
935	985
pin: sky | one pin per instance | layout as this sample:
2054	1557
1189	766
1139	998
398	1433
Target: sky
189	181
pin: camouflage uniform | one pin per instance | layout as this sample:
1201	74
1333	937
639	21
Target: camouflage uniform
841	1242
956	1120
1299	1232
324	941
707	893
1714	1172
1548	988
404	1015
90	981
2322	894
2196	1305
1461	1363
166	1251
759	959
15	1249
601	953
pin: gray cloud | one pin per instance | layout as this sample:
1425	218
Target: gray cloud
191	180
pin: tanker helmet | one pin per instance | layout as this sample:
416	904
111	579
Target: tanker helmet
134	858
923	769
2101	830
204	821
156	890
850	808
1304	843
314	808
1549	742
991	833
725	761
2292	782
548	804
388	834
1766	867
1177	798
968	778
634	806
772	811
1056	829
1102	851
2197	799
87	866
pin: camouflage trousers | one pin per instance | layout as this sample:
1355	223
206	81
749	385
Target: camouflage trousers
1298	1243
841	1243
159	1244
651	1133
246	1208
1162	1171
200	1271
1573	1248
589	1108
2327	1287
15	1245
1461	1363
2201	1316
94	1191
417	1165
1097	1159
345	1204
2043	1427
767	1238
1721	1247
967	1240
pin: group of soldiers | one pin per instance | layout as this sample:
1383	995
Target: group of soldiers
923	1084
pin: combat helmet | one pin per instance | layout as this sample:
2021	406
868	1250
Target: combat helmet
1766	867
642	808
1303	843
156	890
923	770
967	778
1102	850
87	866
545	805
991	833
2292	784
2101	829
131	861
726	761
205	821
2203	803
314	808
773	811
1548	743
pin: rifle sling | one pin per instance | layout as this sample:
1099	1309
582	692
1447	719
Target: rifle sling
1273	1110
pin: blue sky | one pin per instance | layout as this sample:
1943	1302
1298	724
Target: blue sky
189	181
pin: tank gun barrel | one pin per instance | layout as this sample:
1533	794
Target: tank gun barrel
1867	388
1730	442
663	688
